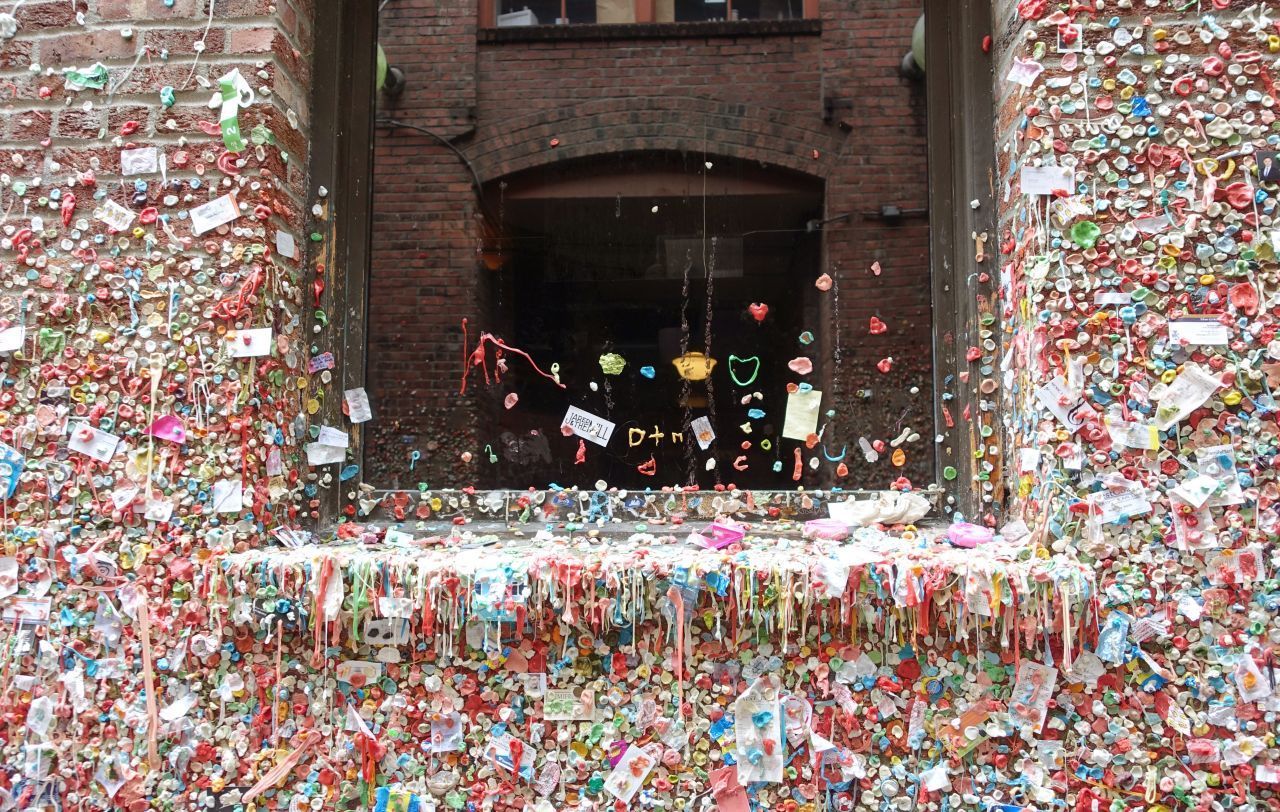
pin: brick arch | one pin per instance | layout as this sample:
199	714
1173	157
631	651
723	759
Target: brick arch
658	123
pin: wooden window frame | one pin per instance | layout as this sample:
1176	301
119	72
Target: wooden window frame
961	161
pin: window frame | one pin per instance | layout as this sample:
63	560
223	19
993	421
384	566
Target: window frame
644	13
961	168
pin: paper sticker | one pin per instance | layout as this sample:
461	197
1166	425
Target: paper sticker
8	576
11	338
1188	392
217	212
1024	72
158	510
446	732
27	610
143	161
801	419
1029	702
566	705
1045	180
1112	297
92	442
363	671
1219	463
114	215
629	773
1132	434
334	437
249	343
286	246
1069	407
228	496
1203	332
11	465
703	433
319	454
1196	491
588	426
1112	506
358	410
758	726
323	361
499	752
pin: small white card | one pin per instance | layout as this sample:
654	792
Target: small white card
92	442
286	246
144	161
588	426
1133	434
216	212
1045	180
1196	492
358	410
318	454
158	510
228	496
114	215
334	437
11	338
249	343
1205	332
630	773
1112	506
1069	407
1112	297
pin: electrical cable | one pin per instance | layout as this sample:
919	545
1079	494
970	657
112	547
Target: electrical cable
475	176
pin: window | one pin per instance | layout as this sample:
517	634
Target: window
523	13
637	274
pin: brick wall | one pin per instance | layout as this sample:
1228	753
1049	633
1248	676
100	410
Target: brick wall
758	98
62	154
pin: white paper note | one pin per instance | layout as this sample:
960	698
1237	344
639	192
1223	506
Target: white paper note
630	773
801	418
1045	180
249	343
228	496
358	410
318	454
114	215
216	212
92	442
1112	506
286	246
1069	407
334	437
1188	392
144	161
703	433
11	338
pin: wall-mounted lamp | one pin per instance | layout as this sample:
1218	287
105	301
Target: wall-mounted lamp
912	65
